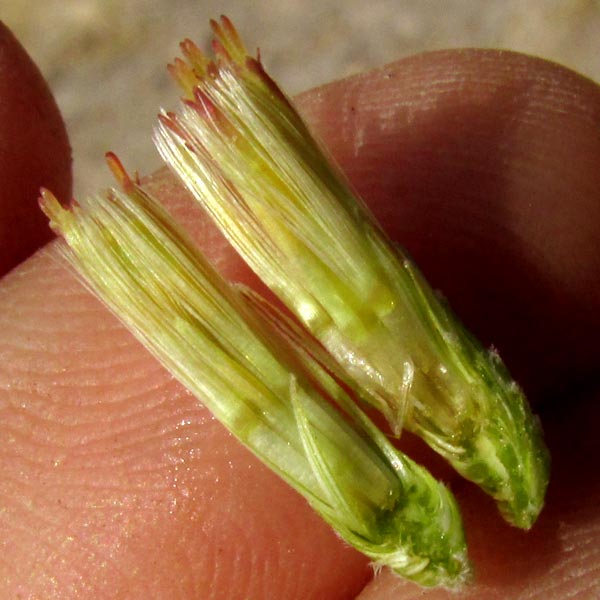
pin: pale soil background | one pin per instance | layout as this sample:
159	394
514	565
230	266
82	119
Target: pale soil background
104	59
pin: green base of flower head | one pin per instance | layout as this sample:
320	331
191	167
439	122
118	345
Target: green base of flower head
461	399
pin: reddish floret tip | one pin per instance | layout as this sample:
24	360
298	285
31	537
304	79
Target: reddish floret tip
118	171
197	59
220	51
232	35
229	38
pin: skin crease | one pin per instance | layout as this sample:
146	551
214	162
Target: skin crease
116	483
34	151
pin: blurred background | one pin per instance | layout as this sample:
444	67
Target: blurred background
105	59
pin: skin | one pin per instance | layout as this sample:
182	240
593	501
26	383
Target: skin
116	483
34	151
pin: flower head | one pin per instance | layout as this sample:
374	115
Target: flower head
242	149
276	400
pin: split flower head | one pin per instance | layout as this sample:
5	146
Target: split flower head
244	152
280	402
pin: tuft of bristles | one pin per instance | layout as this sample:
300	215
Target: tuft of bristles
235	356
242	149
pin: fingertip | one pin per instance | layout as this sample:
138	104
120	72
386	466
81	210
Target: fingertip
34	152
483	164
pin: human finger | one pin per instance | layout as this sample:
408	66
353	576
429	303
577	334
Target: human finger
483	164
113	476
116	482
34	151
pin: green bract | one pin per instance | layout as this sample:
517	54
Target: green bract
241	148
278	401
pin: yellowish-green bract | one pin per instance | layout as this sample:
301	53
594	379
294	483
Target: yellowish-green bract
243	151
276	400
